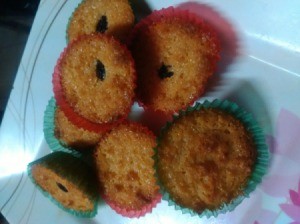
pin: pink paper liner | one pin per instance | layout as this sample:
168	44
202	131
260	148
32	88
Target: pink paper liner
61	101
172	12
133	213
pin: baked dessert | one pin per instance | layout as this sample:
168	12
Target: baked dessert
206	158
94	81
73	136
126	170
114	18
63	135
67	181
175	54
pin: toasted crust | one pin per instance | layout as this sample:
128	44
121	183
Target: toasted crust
205	159
73	136
126	168
85	18
99	101
186	46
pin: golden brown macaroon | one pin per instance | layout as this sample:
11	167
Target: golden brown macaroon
126	167
97	79
205	159
73	136
111	17
175	54
68	181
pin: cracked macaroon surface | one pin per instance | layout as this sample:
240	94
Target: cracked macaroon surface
205	159
126	167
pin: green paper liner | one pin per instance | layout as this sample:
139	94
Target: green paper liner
74	170
260	166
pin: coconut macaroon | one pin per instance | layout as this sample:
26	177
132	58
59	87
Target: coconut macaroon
114	18
175	54
67	181
126	169
205	159
62	135
94	80
73	136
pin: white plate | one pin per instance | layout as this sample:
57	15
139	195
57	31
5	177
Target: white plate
260	70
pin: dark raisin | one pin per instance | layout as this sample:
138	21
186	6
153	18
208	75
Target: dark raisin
62	187
164	71
102	24
100	70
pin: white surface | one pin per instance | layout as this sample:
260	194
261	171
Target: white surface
264	77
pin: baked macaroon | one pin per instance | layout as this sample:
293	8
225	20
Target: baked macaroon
68	181
175	54
94	81
205	159
114	18
73	136
62	135
126	170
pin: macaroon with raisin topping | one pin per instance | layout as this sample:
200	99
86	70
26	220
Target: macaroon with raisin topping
114	18
68	181
175	54
94	82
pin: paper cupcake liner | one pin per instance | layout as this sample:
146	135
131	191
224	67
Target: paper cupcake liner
61	101
69	166
189	17
133	213
172	12
54	143
260	166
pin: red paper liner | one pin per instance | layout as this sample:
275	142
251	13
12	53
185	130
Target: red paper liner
133	213
186	15
61	101
172	12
